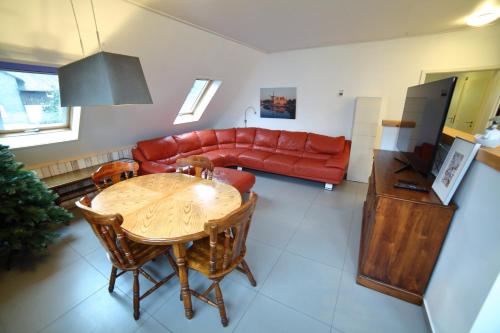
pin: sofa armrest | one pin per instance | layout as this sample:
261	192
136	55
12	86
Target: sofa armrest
138	155
340	160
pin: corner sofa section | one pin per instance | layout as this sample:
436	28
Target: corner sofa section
296	154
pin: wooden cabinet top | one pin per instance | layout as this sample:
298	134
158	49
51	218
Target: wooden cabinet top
384	168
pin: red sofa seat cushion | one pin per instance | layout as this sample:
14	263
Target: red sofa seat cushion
278	163
156	149
253	158
242	180
314	168
323	144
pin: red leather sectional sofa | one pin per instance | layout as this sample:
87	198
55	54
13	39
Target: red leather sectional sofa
297	154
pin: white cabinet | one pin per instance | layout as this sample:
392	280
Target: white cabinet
364	132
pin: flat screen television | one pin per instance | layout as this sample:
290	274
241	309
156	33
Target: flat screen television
424	115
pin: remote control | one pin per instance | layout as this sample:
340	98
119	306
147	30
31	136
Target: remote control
411	187
407	181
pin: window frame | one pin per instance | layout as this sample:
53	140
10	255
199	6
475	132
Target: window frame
21	138
204	97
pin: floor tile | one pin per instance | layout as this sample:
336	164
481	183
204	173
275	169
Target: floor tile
158	270
261	258
151	325
360	310
266	315
322	236
351	257
272	228
304	285
342	197
101	312
80	236
27	295
206	318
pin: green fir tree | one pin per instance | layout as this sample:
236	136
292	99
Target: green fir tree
28	212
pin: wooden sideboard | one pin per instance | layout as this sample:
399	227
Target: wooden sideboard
402	232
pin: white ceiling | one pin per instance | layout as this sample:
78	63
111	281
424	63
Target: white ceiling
279	25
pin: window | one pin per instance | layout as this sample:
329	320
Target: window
197	100
30	106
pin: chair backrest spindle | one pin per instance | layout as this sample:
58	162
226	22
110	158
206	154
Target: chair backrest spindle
114	172
227	237
108	230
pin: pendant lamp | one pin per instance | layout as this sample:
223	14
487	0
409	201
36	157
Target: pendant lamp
103	78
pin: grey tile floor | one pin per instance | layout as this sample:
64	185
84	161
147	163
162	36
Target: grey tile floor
302	249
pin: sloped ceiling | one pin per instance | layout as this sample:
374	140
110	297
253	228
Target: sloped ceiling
172	55
279	25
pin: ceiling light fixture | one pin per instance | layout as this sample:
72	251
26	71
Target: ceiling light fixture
103	78
486	14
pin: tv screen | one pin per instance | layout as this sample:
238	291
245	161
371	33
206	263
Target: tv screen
424	115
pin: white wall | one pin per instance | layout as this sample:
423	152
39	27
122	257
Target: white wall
172	55
378	69
469	261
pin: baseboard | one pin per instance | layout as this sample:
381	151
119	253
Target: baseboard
428	318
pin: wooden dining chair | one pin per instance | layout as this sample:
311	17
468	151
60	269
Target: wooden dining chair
114	172
124	253
196	165
222	252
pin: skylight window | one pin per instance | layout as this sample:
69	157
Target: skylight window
200	95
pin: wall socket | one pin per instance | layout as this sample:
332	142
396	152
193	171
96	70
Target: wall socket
341	92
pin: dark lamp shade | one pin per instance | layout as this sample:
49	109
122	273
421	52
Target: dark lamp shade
103	79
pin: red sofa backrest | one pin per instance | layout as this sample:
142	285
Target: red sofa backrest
302	144
245	137
226	137
159	148
291	143
188	143
266	139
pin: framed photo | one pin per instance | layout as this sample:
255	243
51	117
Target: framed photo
278	103
452	171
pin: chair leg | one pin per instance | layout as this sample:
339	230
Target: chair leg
248	273
112	279
220	305
136	294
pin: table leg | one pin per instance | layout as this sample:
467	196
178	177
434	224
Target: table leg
180	253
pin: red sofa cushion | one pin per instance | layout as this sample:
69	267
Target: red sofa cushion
242	180
323	144
245	137
279	163
294	141
208	140
226	137
188	143
316	169
266	140
253	158
148	167
156	149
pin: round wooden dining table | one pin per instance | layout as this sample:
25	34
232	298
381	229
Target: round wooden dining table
168	209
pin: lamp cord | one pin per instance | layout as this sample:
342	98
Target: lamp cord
77	27
95	23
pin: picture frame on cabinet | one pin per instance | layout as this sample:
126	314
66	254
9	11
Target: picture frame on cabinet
453	169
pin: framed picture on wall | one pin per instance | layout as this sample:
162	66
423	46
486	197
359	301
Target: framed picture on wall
278	103
452	171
